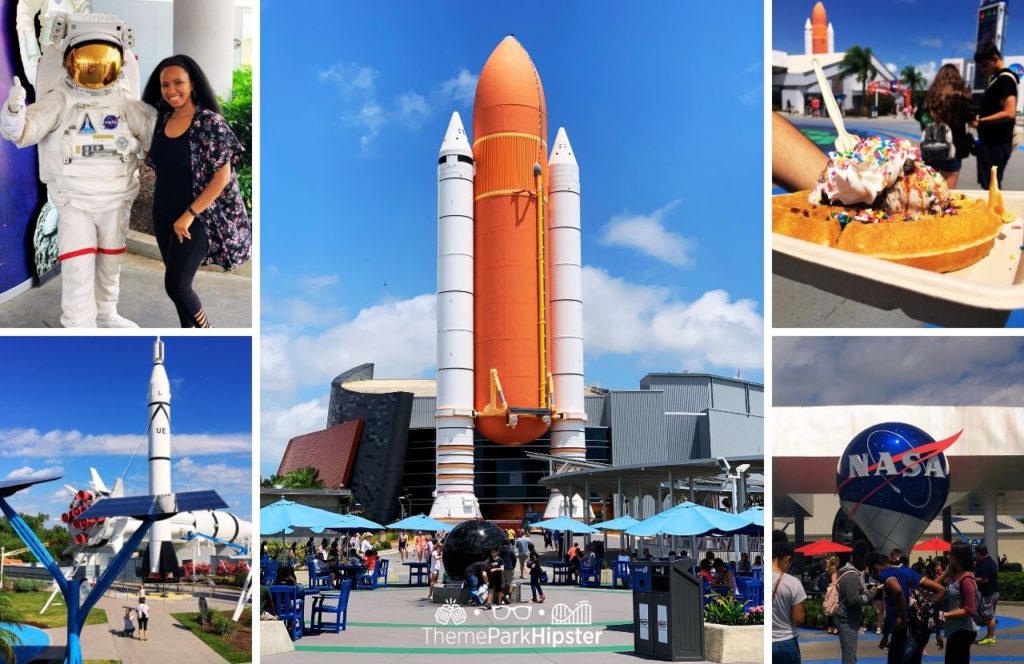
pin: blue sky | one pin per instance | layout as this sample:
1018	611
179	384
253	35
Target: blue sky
666	125
918	33
71	403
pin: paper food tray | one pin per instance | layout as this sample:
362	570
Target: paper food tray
995	282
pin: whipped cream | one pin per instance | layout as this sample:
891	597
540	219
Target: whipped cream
862	174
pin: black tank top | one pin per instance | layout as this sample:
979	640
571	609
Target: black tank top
172	161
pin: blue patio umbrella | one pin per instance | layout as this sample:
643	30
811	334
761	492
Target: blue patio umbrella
689	519
354	522
564	523
755	515
284	514
420	522
620	523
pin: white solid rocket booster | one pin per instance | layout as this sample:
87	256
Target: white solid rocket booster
159	451
568	430
453	416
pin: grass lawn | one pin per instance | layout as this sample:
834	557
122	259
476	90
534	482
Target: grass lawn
56	615
234	647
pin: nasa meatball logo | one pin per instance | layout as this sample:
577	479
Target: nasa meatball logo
110	122
892	480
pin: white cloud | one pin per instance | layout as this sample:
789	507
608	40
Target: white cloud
928	70
398	336
351	78
461	87
893	68
29	473
412	109
279	424
625	318
36	443
647	234
318	282
930	42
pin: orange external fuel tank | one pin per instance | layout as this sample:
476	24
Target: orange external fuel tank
511	348
819	29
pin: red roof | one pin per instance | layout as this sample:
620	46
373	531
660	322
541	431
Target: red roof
331	451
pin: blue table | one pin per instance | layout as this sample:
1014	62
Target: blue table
418	572
561	573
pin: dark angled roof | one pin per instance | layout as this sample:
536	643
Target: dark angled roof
331	451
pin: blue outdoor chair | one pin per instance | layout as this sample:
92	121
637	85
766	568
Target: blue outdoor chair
319	575
590	575
369	580
751	592
268	571
622	571
338	607
289	609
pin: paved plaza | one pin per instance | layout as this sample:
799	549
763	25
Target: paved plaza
168	643
226	296
818	647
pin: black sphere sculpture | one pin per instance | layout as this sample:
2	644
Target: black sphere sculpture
469	542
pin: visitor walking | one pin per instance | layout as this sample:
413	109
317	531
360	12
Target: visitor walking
403	546
129	626
853	596
960	604
535	573
435	568
142	611
986	573
523	546
787	606
897	585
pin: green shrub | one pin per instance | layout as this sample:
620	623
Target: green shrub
1011	586
724	610
814	613
222	623
238	114
28	585
870	617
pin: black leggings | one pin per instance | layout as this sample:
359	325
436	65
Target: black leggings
958	646
182	259
535	588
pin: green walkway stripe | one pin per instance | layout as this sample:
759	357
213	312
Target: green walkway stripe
462	651
610	623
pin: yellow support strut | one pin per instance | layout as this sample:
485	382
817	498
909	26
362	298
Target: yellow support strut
541	287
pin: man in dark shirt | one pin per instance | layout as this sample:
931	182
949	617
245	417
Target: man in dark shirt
986	573
475	574
997	114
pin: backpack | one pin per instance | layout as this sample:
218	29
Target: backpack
937	143
831	602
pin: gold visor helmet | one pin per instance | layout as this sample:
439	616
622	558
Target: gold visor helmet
94	65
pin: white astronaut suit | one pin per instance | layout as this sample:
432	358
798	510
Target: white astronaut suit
89	131
24	22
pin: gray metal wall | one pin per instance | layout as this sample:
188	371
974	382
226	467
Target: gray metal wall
734	434
422	413
637	421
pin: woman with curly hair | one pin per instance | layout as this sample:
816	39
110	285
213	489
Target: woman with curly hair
949	102
193	153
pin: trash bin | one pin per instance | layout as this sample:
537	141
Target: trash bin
668	611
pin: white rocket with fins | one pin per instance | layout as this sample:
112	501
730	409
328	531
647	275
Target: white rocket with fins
161	553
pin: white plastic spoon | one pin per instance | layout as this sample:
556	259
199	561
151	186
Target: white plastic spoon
844	141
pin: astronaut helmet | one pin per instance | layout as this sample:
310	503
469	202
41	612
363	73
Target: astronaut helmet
94	46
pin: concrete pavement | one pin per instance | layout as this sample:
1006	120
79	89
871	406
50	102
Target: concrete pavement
169	642
226	296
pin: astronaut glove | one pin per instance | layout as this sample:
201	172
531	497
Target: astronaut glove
16	97
12	115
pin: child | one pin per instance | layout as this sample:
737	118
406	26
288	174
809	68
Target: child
129	626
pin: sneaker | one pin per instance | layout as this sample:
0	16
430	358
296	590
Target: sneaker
878	630
487	607
987	642
114	320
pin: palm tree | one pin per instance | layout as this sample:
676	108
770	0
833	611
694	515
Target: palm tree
272	482
858	63
304	478
913	79
8	639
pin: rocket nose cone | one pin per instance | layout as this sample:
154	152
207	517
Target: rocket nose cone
508	79
455	139
818	15
562	153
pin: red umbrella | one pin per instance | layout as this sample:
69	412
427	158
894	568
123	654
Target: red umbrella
933	545
822	547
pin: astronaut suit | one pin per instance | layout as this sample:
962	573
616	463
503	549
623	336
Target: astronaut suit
47	10
89	131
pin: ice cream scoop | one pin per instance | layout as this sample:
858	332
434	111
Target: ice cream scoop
859	176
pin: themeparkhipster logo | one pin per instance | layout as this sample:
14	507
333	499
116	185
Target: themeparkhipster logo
892	481
566	626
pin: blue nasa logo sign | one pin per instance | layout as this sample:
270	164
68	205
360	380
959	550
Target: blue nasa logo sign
892	480
110	122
